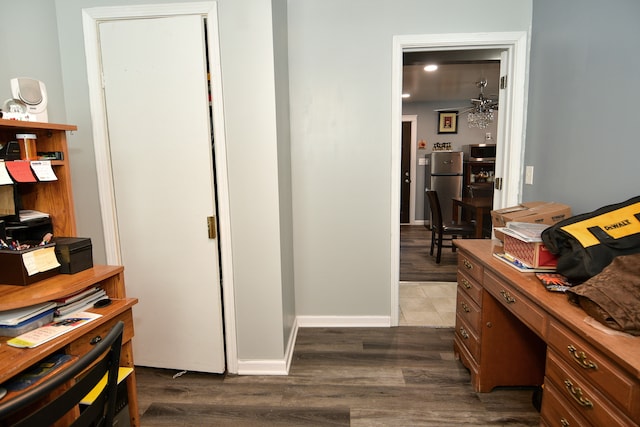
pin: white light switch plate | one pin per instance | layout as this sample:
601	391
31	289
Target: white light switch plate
528	175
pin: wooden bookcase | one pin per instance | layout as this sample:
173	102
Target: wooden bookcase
56	199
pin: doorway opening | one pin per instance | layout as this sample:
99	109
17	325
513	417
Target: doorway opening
511	116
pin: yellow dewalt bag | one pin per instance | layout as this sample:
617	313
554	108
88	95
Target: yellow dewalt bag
585	244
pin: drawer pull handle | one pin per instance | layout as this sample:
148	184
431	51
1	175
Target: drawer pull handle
467	264
576	393
464	333
564	422
466	284
95	340
465	307
581	358
507	297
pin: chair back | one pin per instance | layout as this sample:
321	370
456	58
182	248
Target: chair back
64	391
436	212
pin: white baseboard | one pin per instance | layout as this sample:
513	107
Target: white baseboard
281	367
344	321
271	366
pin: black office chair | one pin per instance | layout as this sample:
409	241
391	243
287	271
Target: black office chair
444	232
63	391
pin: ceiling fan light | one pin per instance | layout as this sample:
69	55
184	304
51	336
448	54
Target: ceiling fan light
480	119
430	68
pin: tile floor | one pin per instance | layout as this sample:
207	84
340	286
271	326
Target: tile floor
431	304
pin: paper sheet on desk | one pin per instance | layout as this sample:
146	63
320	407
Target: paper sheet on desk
43	171
53	330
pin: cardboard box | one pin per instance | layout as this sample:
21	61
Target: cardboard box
531	254
536	212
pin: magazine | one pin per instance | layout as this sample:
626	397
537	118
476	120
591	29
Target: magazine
52	330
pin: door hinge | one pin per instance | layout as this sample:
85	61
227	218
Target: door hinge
503	82
211	226
498	184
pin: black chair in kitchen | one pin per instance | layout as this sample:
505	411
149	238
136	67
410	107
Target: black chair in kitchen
64	391
441	232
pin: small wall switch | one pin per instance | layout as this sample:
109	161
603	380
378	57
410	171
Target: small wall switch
487	136
528	175
422	161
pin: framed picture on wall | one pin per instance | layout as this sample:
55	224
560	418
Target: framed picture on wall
448	122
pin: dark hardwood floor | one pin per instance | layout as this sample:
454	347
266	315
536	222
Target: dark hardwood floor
416	265
404	376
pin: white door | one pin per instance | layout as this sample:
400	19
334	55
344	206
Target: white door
159	128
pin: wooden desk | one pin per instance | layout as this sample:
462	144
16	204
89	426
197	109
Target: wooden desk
481	206
77	342
511	331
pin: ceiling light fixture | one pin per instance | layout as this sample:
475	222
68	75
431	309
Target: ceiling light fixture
482	114
430	68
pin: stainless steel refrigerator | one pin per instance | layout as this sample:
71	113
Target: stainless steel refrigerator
444	175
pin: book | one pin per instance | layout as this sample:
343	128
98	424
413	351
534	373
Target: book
53	330
513	262
20	315
37	372
81	304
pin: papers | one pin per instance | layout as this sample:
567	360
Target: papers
40	260
525	231
53	330
43	171
20	171
4	175
511	261
19	315
85	301
26	171
26	215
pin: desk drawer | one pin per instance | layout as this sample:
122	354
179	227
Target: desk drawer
591	365
584	398
83	344
469	311
470	266
467	337
556	411
471	287
524	309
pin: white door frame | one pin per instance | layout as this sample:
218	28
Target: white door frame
412	168
91	18
511	123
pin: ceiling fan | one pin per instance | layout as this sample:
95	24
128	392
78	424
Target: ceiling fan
481	110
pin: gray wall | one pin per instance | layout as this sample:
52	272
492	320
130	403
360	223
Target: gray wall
582	129
23	25
256	114
340	74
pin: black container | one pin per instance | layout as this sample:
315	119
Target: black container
74	254
13	271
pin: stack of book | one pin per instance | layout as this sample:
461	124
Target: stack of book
79	301
20	320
